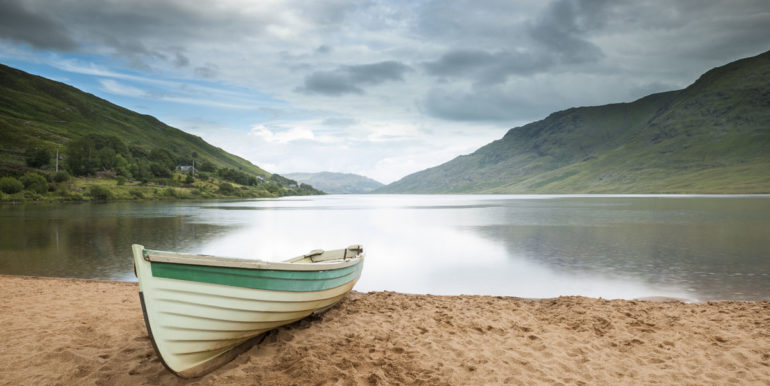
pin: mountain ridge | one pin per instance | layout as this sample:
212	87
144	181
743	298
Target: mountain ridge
337	183
710	137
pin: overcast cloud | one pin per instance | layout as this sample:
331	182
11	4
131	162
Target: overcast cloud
349	79
382	89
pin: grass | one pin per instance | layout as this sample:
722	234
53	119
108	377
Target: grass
79	189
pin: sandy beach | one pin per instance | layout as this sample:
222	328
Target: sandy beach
63	331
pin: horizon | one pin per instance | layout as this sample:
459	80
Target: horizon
379	90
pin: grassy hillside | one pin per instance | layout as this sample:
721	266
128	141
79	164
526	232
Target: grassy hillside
102	145
38	111
337	183
712	137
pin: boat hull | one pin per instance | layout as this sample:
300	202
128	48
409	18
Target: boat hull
200	317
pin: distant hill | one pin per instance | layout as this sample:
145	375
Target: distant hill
37	111
711	137
337	183
111	152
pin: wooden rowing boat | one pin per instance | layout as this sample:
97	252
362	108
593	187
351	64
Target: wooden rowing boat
201	311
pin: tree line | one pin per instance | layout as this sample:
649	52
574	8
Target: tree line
107	155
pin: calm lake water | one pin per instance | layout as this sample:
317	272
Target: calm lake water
693	247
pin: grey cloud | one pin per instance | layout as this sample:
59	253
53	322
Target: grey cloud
495	105
329	83
21	24
377	72
349	79
561	27
645	89
139	32
494	24
180	60
484	67
207	71
331	13
339	122
535	45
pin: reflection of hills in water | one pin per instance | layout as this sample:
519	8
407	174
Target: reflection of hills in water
707	247
90	240
530	246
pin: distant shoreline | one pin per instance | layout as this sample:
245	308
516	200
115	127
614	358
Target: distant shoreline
7	201
98	189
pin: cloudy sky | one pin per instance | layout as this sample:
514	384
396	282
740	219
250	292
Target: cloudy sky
379	88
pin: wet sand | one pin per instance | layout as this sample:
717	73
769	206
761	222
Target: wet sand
62	331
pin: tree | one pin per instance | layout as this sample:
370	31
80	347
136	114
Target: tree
159	170
93	152
106	158
206	166
80	156
10	185
99	192
163	157
141	170
38	157
226	188
61	176
34	182
121	166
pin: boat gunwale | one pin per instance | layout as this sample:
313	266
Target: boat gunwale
231	262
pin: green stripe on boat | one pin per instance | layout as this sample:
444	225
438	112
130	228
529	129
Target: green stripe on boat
294	281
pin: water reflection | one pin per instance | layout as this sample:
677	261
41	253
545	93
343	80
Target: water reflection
93	240
529	246
712	247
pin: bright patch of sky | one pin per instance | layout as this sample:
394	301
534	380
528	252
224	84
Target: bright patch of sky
381	89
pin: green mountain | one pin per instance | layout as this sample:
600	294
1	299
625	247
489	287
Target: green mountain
337	183
711	137
111	152
35	111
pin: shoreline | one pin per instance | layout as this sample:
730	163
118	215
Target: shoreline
64	331
650	299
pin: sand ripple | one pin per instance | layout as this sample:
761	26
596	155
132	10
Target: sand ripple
59	331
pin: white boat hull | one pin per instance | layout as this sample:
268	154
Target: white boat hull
195	326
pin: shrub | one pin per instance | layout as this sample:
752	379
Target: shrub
35	183
169	192
63	190
61	176
121	180
226	188
189	179
30	195
10	185
99	192
136	193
